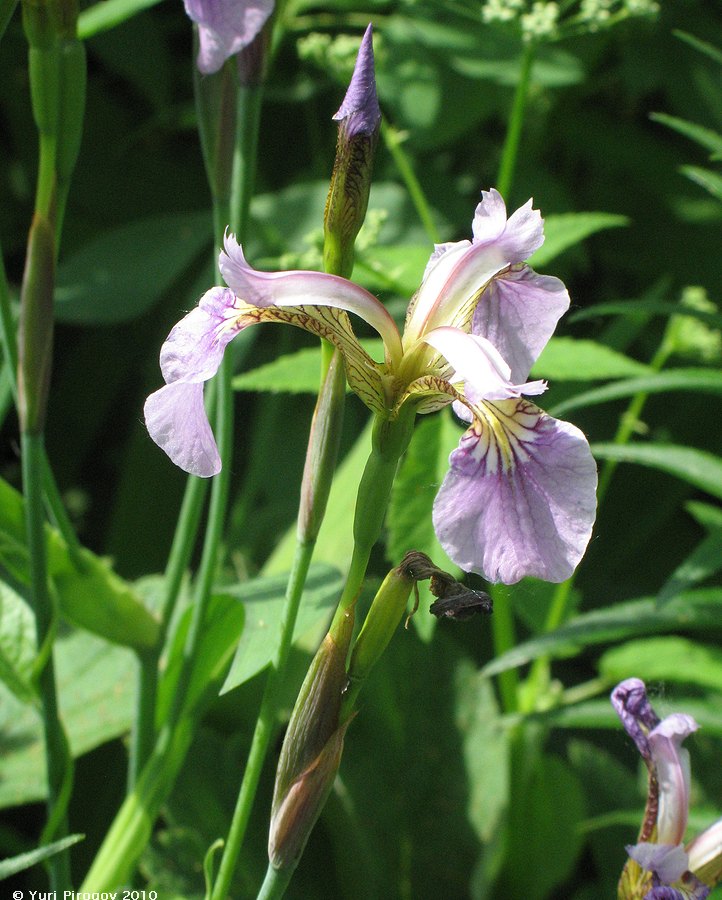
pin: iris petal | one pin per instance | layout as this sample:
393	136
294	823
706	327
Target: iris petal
519	498
176	420
225	27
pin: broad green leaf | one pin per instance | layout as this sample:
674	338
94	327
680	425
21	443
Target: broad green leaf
706	558
698	467
599	714
102	16
485	749
712	140
696	610
294	373
409	518
705	381
98	286
24	861
96	691
564	230
223	625
334	545
673	658
399	268
570	359
544	835
263	601
17	644
710	181
90	595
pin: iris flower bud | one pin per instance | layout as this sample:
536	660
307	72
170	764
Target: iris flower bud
359	121
311	751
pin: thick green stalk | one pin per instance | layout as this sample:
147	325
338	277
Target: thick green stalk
275	883
58	760
516	119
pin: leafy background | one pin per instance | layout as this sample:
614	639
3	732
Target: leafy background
431	780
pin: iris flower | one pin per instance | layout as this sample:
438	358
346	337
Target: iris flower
677	872
519	497
225	27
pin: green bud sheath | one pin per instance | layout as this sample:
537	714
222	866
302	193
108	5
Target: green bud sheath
381	623
35	335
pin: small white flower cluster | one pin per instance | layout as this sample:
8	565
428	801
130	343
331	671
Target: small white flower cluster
541	21
337	54
542	18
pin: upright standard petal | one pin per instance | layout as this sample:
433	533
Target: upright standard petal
300	288
518	313
176	420
520	496
671	763
225	27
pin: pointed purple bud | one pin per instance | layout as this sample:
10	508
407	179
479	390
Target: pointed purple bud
348	195
359	113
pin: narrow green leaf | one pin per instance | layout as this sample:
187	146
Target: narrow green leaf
24	861
698	467
263	600
103	16
17	644
648	307
705	381
696	610
676	659
703	46
704	561
710	181
567	229
570	359
712	140
97	286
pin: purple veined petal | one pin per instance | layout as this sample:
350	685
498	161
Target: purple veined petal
225	27
518	313
305	288
478	362
194	348
520	495
360	108
516	237
629	699
667	861
672	767
176	420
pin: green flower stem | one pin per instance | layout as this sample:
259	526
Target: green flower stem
275	883
58	760
516	119
394	144
390	440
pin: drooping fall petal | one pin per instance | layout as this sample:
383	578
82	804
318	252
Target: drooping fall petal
519	498
225	27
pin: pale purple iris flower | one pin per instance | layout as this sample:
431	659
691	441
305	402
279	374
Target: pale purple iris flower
225	27
674	869
519	498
